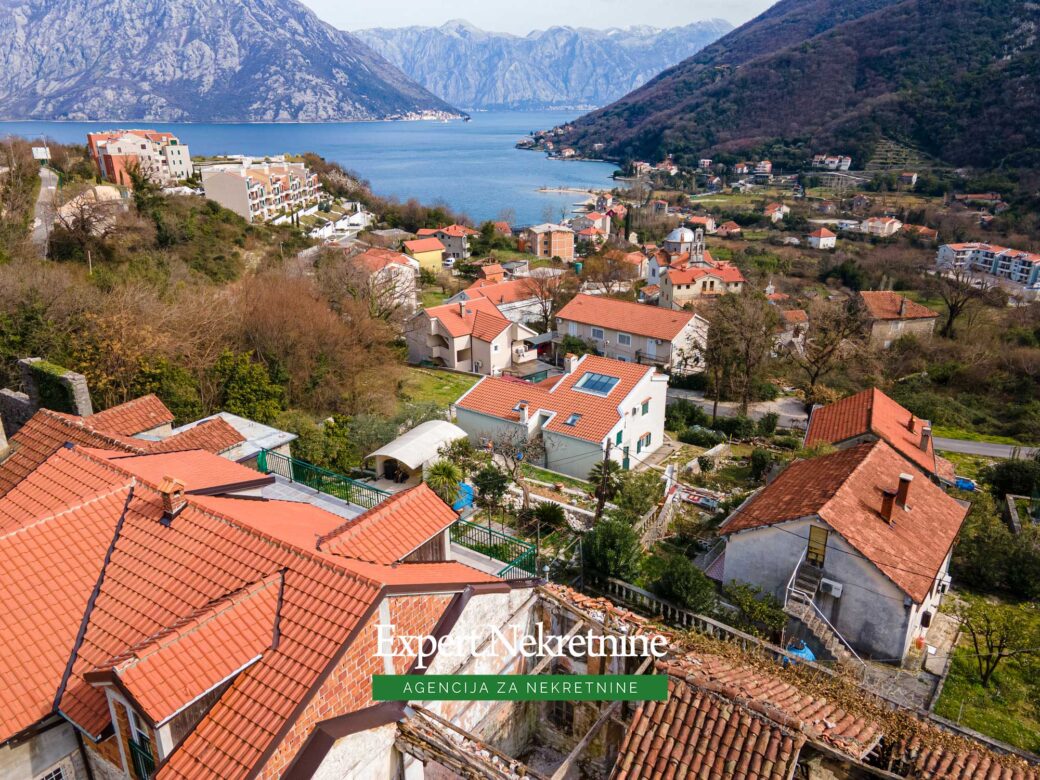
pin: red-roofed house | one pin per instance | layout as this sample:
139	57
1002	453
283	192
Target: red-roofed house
637	260
881	226
548	241
893	316
776	211
871	415
393	279
598	404
687	281
518	300
149	632
822	239
428	252
730	230
636	333
471	335
594	219
852	537
503	229
455	239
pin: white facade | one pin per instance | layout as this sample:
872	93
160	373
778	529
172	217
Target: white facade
881	226
873	614
681	355
262	191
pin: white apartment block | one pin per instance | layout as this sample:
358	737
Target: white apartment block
160	156
261	191
1015	265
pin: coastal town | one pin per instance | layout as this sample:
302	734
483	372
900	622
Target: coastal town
543	391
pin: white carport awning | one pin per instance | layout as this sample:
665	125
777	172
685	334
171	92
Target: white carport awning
421	444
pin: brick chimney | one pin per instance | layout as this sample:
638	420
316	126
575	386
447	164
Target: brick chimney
888	502
902	306
903	493
912	423
926	437
570	362
522	409
172	492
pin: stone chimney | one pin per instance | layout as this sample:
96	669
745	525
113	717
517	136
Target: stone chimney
172	492
462	309
902	306
912	423
888	502
522	410
903	493
926	438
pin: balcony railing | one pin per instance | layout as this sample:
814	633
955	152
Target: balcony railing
519	556
328	482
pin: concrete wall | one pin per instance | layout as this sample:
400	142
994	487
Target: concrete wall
884	332
870	614
56	747
367	755
229	190
572	456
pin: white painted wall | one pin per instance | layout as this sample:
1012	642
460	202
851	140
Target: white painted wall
50	749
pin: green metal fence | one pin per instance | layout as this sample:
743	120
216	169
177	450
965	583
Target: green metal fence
358	493
520	557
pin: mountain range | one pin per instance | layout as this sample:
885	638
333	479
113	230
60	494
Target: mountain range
956	79
554	68
197	60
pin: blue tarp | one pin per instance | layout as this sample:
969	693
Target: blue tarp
465	498
800	650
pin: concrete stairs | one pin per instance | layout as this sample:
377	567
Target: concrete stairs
800	606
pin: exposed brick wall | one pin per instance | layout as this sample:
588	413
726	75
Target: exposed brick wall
349	687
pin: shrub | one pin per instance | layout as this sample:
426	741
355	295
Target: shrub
787	442
697	381
612	549
707	464
683	584
701	437
737	427
550	515
767	425
761	460
682	414
1019	477
758	613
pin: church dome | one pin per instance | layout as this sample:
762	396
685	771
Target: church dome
680	235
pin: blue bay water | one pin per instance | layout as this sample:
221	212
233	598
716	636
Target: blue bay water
471	166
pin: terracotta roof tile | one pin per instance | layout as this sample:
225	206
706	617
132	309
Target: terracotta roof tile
626	316
199	470
698	733
392	529
498	397
795	316
882	305
133	417
478	317
502	292
844	490
215	435
873	413
431	244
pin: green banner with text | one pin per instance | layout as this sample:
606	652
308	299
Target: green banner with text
519	687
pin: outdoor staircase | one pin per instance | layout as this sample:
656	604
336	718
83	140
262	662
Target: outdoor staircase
800	605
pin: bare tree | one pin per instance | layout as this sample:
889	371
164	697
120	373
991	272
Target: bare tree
513	448
386	288
961	292
835	334
744	327
86	216
553	291
609	272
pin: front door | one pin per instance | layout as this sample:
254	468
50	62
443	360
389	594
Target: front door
817	546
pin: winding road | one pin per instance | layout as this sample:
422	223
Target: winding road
43	212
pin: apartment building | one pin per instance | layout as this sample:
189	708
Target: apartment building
548	240
881	226
1015	265
636	333
161	157
261	191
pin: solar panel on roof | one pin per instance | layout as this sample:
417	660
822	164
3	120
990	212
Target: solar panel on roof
601	384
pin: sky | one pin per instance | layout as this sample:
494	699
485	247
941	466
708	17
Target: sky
522	17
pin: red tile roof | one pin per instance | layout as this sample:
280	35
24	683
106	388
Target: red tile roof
431	244
136	416
823	233
699	733
882	305
727	272
795	316
376	259
200	471
478	317
162	600
502	292
458	231
497	397
625	316
844	490
216	435
872	413
393	529
165	673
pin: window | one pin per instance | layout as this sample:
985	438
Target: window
597	333
55	774
624	339
494	347
573	419
646	406
600	384
617	439
572	329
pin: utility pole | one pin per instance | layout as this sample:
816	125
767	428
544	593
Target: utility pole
602	498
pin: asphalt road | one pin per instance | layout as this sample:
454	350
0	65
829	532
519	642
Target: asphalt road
984	448
43	215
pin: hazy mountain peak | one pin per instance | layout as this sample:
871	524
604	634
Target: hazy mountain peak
561	66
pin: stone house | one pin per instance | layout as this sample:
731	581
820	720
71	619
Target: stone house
893	316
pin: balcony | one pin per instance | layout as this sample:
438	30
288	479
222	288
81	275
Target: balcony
324	481
493	551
